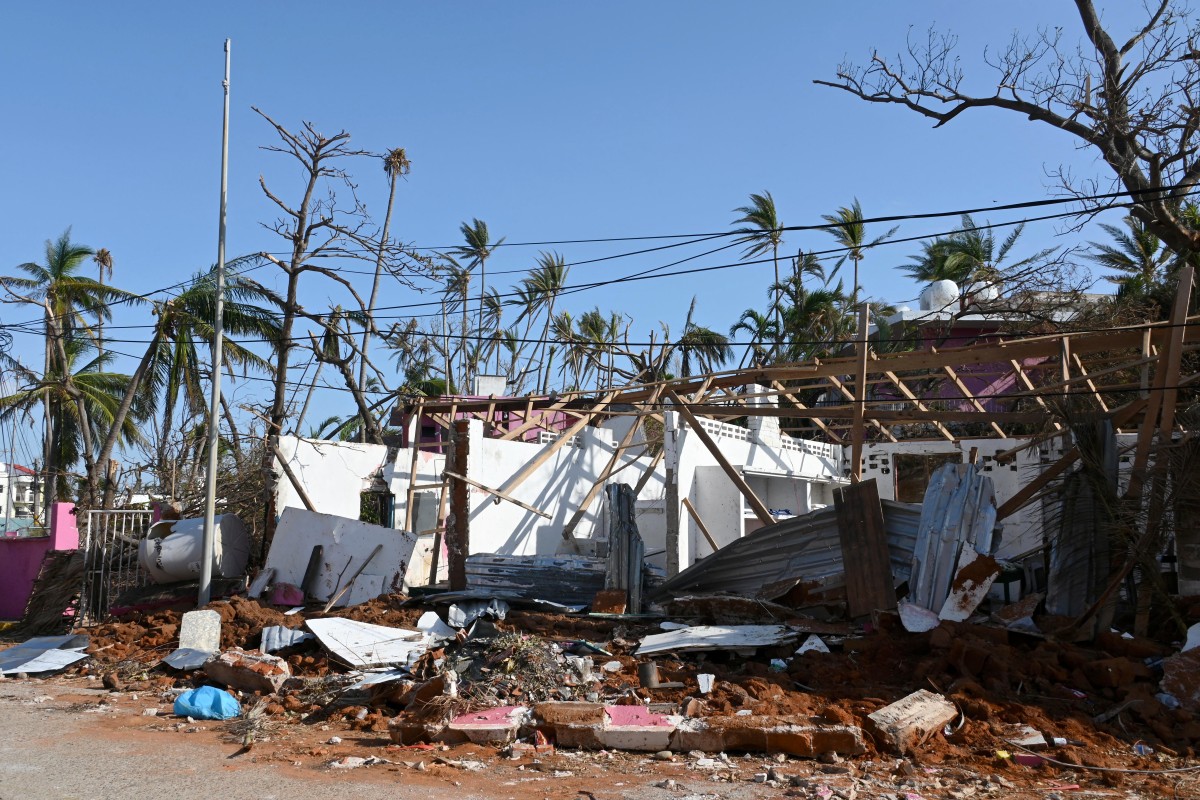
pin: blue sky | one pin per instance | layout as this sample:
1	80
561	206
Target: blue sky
548	120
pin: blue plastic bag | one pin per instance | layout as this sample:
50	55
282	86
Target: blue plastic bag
207	702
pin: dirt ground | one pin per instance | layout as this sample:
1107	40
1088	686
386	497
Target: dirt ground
999	680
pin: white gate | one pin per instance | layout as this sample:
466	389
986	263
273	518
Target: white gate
111	559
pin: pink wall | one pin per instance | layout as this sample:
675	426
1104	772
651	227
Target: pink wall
21	559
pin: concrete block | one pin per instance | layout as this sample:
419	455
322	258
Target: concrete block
248	670
635	728
491	726
908	722
766	734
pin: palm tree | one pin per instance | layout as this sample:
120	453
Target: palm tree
1136	255
395	165
971	255
851	233
761	329
74	416
104	266
537	293
700	347
68	301
478	248
454	294
761	232
172	360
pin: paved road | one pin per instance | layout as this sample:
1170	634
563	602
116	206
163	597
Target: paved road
50	752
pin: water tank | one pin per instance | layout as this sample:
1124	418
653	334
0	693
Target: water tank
983	292
938	295
173	548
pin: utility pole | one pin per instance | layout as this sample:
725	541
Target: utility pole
214	410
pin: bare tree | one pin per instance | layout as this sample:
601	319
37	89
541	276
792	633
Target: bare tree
1137	103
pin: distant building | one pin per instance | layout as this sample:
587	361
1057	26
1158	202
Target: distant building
18	498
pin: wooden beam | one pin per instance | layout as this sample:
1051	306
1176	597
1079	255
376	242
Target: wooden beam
695	515
815	420
860	395
846	412
912	398
458	521
849	395
568	531
291	476
1023	377
1088	380
868	567
535	422
648	473
1166	378
760	510
544	455
497	493
962	387
412	467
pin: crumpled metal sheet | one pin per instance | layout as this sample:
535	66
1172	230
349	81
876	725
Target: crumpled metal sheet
570	580
43	654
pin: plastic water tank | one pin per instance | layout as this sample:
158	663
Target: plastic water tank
938	295
172	550
983	292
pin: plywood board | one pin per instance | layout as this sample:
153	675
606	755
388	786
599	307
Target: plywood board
869	584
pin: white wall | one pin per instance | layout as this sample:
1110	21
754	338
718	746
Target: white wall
794	473
558	487
333	474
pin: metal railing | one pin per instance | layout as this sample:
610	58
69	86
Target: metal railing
111	559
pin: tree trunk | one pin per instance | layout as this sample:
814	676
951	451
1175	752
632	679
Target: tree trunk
118	421
383	240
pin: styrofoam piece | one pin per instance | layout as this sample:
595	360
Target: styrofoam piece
200	630
277	637
188	658
346	544
361	644
705	680
916	619
434	629
716	637
1193	638
43	654
172	549
813	644
382	676
260	583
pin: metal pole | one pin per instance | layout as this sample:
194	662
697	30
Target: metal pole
214	410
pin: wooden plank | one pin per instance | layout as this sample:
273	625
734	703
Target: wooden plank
273	442
759	508
849	395
458	521
1166	379
860	395
1023	377
966	393
869	583
691	509
815	420
544	455
1088	380
648	473
912	398
568	531
497	493
412	467
533	422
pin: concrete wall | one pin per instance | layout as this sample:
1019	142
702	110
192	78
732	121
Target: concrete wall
333	474
21	559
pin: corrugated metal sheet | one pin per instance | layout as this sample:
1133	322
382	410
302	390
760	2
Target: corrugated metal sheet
803	551
570	580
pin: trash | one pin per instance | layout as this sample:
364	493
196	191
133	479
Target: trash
612	666
911	720
916	619
361	644
462	614
813	644
705	681
286	594
1142	749
43	654
354	762
648	676
248	670
716	637
199	640
434	629
207	702
778	665
1028	759
334	740
1027	737
277	637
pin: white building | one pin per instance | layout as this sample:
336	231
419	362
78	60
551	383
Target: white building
17	496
